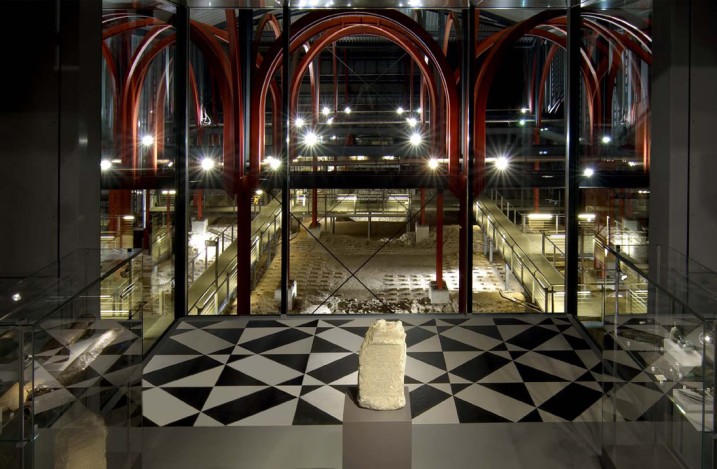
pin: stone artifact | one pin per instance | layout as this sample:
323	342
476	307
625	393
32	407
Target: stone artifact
382	364
82	443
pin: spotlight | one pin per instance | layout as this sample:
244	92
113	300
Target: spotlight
105	165
16	297
433	163
347	110
207	163
259	192
416	139
419	110
412	122
298	122
128	217
606	139
524	110
399	111
521	122
147	140
310	139
273	163
501	163
326	111
588	172
330	120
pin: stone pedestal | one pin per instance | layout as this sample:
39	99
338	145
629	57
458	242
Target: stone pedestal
379	439
291	291
422	233
315	232
438	296
199	227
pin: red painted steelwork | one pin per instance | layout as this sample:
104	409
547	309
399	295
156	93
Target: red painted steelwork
439	240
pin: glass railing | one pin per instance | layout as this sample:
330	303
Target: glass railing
658	367
70	380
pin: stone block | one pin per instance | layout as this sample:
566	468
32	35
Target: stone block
199	227
292	292
382	365
422	233
438	296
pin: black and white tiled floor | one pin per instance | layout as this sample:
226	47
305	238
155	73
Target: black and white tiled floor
271	372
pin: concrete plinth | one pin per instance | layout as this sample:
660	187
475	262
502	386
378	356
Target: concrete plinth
422	233
199	227
379	439
291	291
438	296
315	231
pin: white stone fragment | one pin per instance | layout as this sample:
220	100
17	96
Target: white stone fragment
382	365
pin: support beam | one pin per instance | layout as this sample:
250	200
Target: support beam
285	190
572	193
181	116
439	241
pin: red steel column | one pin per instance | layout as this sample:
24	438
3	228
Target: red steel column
439	240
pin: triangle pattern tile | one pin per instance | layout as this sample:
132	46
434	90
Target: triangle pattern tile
506	374
232	377
307	414
416	335
172	347
298	381
238	409
588	357
455	379
332	322
530	374
571	401
264	369
431	344
517	391
359	331
532	337
490	331
342	338
480	367
335	370
161	408
324	346
576	343
232	323
185	325
469	337
469	413
185	422
302	346
455	359
264	323
191	366
450	321
565	356
594	413
202	341
512	321
328	399
293	361
556	343
272	341
435	359
317	360
222	359
425	397
201	379
442	413
450	345
422	371
255	333
203	420
495	402
533	416
280	415
547	417
304	322
507	332
195	397
557	368
230	335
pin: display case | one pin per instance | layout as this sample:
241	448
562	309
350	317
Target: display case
658	370
70	379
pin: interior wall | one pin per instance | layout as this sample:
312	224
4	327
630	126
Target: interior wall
683	194
49	132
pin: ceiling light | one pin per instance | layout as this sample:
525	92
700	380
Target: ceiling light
128	217
606	139
105	165
412	122
16	297
419	110
416	139
273	163
298	122
310	139
521	122
433	163
400	110
501	163
588	172
524	110
259	192
207	163
330	120
147	140
326	111
347	110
